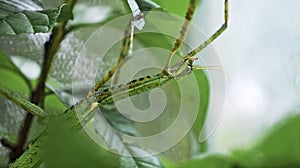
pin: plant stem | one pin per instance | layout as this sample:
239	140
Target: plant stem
38	95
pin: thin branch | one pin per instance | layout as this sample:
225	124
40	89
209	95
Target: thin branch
38	95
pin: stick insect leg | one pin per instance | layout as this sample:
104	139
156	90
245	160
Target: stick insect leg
213	37
115	79
178	42
125	51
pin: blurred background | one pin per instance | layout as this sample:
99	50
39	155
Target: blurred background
261	55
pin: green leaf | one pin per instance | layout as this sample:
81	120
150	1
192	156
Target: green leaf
65	149
147	5
162	32
53	105
155	40
177	7
118	121
65	13
15	20
63	94
143	162
32	156
203	88
124	125
7	64
213	161
279	148
14	82
8	136
114	141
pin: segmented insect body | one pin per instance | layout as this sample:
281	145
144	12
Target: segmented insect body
134	87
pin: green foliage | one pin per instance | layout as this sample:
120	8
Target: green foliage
213	161
65	149
32	156
114	141
177	7
65	13
147	5
22	102
203	90
279	148
58	146
10	73
118	121
15	20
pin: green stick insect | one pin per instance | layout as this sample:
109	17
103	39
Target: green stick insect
103	96
80	113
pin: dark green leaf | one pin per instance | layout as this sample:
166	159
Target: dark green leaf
15	20
65	13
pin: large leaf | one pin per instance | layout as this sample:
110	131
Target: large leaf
279	148
119	122
204	91
213	161
32	156
114	141
177	7
16	18
161	31
7	64
142	162
69	150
